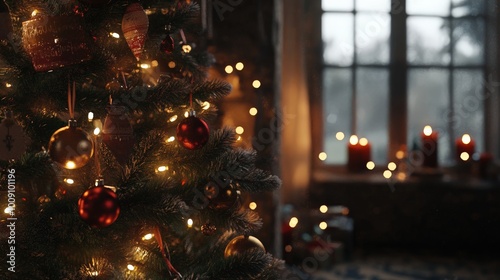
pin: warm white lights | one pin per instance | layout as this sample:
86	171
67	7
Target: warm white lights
323	225
391	166
256	84
69	181
323	209
229	69
162	168
466	139
322	156
147	236
387	174
427	130
353	140
340	136
293	222
170	139
97	131
205	105
145	66
239	130
130	267
370	165
253	111
70	164
90	116
190	223
115	35
464	156
173	118
363	141
239	66
252	205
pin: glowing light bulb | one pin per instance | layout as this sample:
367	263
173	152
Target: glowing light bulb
70	164
8	210
162	168
256	84
34	13
363	141
400	154
239	130
130	267
464	156
170	139
340	136
186	48
353	140
186	114
229	69
69	181
239	66
293	222
205	105
323	209
387	174
322	156
427	130
147	236
115	35
252	205
145	66
8	85
253	111
190	223
323	225
391	166
97	131
90	116
466	139
154	63
370	165
173	118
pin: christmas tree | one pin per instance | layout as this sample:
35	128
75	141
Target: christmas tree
111	165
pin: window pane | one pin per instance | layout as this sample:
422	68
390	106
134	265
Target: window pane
338	38
428	103
468	105
428	41
372	38
337	95
337	5
373	5
468	38
428	7
467	7
372	109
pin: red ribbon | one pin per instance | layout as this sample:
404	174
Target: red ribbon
170	267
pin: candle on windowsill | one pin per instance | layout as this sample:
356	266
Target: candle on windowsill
465	148
359	153
429	147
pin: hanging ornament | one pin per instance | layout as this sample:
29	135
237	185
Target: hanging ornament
208	229
55	41
12	139
117	133
192	132
70	146
241	244
167	45
98	206
221	197
135	24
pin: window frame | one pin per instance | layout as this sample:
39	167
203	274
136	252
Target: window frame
398	71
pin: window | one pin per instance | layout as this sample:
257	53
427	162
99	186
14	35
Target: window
390	67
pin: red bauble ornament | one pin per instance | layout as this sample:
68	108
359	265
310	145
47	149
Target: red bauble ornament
117	133
192	132
135	24
167	45
222	196
98	206
240	244
71	147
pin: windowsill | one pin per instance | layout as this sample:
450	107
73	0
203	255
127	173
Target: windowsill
375	178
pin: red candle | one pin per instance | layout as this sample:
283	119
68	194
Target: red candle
465	147
429	147
359	153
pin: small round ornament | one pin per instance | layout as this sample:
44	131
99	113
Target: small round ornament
70	146
13	141
98	206
135	24
167	45
221	197
208	229
192	132
241	244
